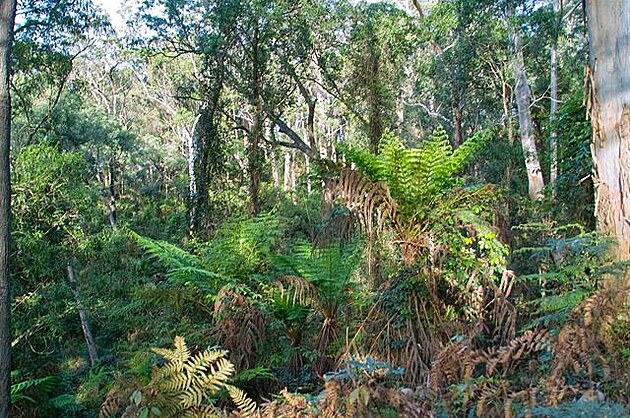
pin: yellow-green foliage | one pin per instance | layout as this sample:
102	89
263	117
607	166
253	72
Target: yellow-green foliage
191	380
185	386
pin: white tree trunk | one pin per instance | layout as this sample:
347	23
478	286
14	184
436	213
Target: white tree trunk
523	102
609	32
287	171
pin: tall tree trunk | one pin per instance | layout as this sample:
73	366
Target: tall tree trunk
197	159
553	109
609	29
109	182
526	126
307	171
7	21
376	108
254	162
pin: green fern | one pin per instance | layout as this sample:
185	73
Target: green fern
166	253
417	177
42	385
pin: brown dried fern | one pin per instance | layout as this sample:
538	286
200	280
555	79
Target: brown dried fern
370	202
239	327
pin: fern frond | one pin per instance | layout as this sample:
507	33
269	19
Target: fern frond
168	254
43	384
178	355
246	406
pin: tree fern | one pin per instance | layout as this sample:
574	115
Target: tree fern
166	253
418	176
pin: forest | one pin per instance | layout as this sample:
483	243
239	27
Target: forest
315	208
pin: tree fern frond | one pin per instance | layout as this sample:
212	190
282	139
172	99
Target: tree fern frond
166	253
462	155
196	275
43	384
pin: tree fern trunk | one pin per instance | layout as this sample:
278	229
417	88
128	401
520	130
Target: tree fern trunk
7	20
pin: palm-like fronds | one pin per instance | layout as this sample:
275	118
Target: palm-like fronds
166	253
42	385
417	177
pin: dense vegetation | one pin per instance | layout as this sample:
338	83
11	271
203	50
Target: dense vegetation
309	208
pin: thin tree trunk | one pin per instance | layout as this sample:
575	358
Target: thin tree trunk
294	168
307	168
85	325
375	104
287	171
458	138
526	126
110	200
609	26
275	171
255	132
7	21
197	173
553	110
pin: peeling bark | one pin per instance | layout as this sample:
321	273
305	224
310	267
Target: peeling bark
609	26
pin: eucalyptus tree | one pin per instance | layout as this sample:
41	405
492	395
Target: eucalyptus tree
275	70
461	68
7	20
49	37
368	72
523	98
609	75
203	31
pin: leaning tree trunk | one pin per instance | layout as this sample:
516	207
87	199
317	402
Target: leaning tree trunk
85	325
7	20
609	32
523	102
